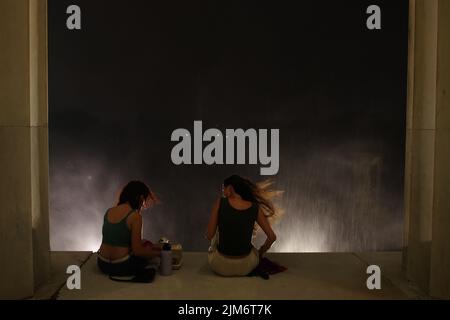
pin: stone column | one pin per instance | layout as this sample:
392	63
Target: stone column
427	197
420	137
24	215
440	249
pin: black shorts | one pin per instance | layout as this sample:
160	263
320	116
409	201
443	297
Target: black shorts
130	267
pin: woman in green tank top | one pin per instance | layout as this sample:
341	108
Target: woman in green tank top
122	252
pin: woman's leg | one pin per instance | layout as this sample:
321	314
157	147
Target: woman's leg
215	260
219	264
104	267
130	267
138	264
230	267
252	261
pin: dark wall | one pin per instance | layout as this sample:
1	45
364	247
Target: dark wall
137	70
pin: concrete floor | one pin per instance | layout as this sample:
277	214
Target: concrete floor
59	262
309	276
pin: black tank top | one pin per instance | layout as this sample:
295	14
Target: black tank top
236	229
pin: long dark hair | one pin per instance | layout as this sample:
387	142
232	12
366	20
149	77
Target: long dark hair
259	193
132	194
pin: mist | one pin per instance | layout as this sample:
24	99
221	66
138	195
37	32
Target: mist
334	200
133	74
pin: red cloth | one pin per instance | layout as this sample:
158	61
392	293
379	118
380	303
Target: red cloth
270	267
266	268
147	243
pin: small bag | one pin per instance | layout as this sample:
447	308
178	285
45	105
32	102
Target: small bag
145	276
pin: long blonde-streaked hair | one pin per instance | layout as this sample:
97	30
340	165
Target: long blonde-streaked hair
260	193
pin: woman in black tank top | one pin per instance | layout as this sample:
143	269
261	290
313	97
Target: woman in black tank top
236	227
232	225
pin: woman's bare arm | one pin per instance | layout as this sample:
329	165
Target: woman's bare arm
136	240
213	220
265	226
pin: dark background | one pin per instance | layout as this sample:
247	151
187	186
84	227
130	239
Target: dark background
137	70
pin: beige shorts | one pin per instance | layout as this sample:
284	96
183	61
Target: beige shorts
230	267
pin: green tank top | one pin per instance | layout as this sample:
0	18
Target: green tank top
116	234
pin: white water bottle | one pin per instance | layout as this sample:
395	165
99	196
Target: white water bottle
165	267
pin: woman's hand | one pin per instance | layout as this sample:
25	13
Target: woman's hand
152	199
155	251
271	236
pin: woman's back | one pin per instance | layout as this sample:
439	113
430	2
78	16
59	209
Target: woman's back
116	232
116	229
236	224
